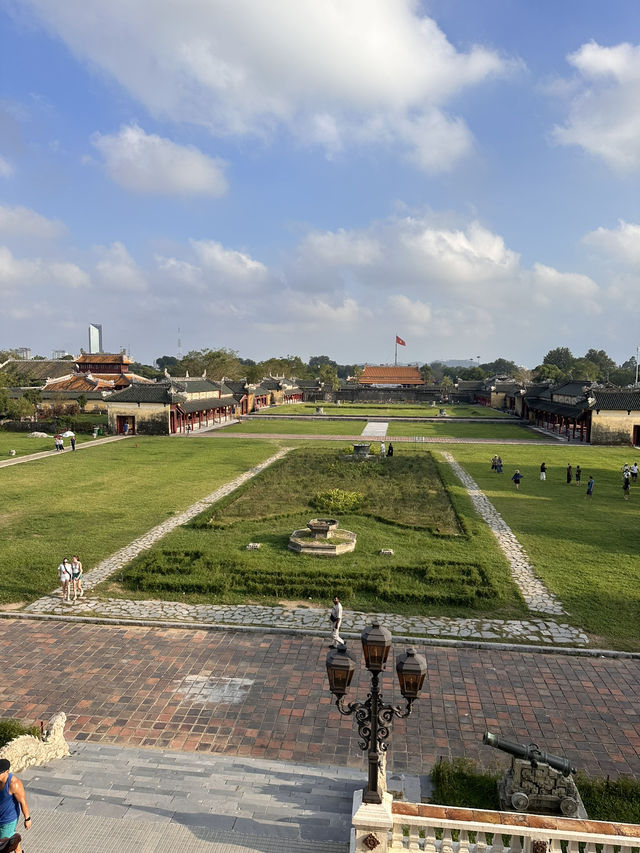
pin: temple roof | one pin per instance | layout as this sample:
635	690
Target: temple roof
390	375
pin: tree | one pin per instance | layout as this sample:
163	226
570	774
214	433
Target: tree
34	398
167	362
426	371
602	360
329	376
82	402
318	361
145	370
500	367
582	368
20	408
469	373
547	372
562	357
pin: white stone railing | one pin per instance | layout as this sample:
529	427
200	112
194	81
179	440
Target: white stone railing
395	826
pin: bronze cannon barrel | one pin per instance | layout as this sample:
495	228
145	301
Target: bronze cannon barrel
529	753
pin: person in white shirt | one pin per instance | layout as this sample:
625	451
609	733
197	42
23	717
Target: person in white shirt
336	619
64	573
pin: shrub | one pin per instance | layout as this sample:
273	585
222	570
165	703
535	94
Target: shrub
10	729
338	501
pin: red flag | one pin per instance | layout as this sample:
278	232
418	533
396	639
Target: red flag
400	341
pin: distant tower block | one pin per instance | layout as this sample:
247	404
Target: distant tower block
24	352
95	337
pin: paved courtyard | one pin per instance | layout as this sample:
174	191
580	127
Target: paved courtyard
265	696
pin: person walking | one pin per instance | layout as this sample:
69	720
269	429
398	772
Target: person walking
590	485
578	475
12	801
64	573
543	471
390	450
382	449
73	442
569	473
336	618
494	462
626	482
634	472
76	577
499	465
516	479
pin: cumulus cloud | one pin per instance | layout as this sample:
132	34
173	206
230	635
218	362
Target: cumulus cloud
24	222
328	72
147	163
620	245
117	270
604	116
6	169
16	273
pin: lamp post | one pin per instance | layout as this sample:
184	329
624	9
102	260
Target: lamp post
373	716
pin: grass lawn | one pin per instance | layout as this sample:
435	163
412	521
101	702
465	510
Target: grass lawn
586	550
298	427
389	410
23	445
445	560
455	429
97	501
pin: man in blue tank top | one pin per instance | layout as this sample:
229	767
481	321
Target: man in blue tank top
12	799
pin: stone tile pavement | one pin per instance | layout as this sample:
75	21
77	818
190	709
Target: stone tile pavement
44	454
265	696
109	798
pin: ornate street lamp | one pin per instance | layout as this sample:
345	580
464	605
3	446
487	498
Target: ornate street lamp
373	716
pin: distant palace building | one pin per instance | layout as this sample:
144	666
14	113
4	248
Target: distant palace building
382	376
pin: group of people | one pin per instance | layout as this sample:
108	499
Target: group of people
570	473
629	475
58	440
70	574
496	464
389	451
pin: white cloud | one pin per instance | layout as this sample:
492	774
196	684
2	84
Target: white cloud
6	169
16	273
327	71
336	248
23	222
146	163
604	117
621	245
117	270
230	264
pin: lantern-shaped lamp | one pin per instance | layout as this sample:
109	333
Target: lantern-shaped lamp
376	645
340	669
411	669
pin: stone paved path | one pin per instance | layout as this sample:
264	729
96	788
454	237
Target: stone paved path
375	429
265	696
534	592
44	454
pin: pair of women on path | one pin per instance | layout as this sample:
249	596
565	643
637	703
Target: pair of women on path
70	574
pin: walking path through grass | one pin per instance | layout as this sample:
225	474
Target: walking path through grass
375	429
44	454
535	593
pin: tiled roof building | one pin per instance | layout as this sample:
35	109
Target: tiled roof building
390	376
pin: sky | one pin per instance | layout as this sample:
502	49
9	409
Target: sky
313	177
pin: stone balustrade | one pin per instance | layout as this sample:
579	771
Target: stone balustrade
395	826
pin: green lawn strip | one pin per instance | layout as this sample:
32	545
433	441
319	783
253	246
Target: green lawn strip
462	784
585	550
298	427
24	445
388	410
446	560
93	503
453	429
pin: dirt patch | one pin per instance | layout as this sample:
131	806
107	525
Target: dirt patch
292	605
13	605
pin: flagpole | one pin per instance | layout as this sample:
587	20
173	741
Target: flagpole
396	361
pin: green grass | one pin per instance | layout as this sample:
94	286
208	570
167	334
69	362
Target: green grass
297	427
94	502
445	560
456	429
10	729
389	410
23	445
460	783
586	550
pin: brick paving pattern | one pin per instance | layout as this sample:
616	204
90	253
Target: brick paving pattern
265	696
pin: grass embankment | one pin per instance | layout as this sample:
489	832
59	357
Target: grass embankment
445	560
460	783
456	429
297	427
97	501
388	410
24	445
585	549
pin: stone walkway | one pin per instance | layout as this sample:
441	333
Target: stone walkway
536	595
311	620
375	429
45	454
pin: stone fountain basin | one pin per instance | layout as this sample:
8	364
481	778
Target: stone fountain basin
324	527
303	541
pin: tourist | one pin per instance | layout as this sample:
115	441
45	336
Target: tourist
382	449
626	482
125	429
336	618
12	800
543	471
390	450
499	465
73	442
494	462
76	577
634	472
516	479
569	474
578	474
590	486
64	573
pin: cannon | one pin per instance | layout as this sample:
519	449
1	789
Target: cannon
537	781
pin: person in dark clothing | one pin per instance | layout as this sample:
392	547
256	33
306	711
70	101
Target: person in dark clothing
569	474
543	471
390	450
516	479
578	475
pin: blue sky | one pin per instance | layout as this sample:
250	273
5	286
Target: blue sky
315	176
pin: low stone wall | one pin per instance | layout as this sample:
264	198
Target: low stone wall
27	751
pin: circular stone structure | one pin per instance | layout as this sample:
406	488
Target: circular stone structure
322	538
360	452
